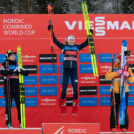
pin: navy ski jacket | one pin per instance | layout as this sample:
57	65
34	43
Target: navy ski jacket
70	52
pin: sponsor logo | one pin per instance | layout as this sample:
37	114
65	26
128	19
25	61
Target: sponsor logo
105	90
30	80
85	68
131	90
47	69
105	101
131	58
84	79
48	101
103	80
104	68
32	69
88	78
88	90
88	101
71	52
69	101
2	102
74	130
61	69
48	58
48	79
132	67
131	101
101	25
2	58
69	91
31	102
31	91
29	58
61	58
105	57
85	57
48	91
1	91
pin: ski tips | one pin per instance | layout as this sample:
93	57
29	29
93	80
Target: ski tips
18	46
124	43
90	38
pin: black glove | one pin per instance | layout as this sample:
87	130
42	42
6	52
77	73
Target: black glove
91	30
50	27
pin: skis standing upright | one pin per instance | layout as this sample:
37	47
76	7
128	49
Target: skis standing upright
22	90
123	84
90	38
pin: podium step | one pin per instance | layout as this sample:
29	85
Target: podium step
116	132
21	131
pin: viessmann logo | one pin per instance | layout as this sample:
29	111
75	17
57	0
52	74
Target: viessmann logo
101	25
48	100
88	78
131	58
71	131
105	67
28	57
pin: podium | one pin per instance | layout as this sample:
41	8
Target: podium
71	128
57	128
21	131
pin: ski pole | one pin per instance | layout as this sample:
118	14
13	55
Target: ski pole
50	8
113	96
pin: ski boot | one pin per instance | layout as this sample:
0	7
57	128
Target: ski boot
75	106
9	126
63	106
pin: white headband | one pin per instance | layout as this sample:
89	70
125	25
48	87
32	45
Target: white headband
70	37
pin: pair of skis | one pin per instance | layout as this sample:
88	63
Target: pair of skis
124	66
90	38
22	90
122	106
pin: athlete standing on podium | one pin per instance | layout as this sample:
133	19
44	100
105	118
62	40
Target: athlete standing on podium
10	70
70	51
115	74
